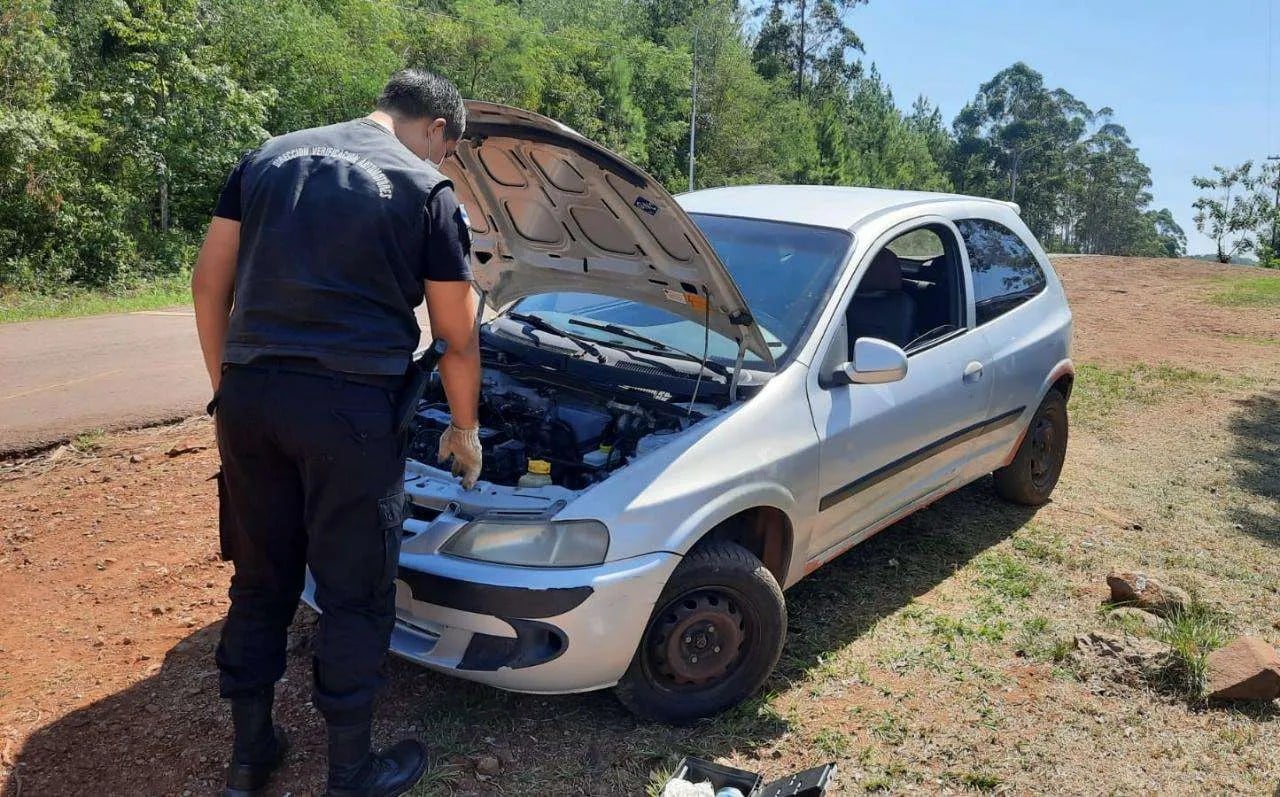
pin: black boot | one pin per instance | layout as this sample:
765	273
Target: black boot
259	746
356	772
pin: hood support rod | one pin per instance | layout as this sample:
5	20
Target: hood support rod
737	368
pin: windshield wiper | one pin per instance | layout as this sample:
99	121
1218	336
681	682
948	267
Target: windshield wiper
543	325
623	332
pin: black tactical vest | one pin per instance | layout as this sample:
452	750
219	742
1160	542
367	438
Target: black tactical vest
332	244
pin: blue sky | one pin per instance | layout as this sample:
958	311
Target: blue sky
1189	80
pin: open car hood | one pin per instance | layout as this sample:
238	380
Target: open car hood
552	211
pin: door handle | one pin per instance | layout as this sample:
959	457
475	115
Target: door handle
973	371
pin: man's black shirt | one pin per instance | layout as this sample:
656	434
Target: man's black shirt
340	226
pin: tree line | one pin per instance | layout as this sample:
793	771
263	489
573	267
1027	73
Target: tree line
120	118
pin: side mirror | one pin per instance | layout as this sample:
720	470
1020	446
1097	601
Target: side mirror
875	362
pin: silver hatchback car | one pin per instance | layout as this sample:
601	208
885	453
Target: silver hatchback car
691	403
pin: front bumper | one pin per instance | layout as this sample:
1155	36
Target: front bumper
528	629
541	630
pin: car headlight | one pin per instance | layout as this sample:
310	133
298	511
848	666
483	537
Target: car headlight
535	543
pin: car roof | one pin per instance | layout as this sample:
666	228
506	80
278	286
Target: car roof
837	207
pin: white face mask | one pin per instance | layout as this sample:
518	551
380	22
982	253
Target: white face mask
430	148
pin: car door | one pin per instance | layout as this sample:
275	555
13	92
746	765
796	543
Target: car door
884	447
1016	314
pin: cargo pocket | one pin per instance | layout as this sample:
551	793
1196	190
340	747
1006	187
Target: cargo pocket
391	512
225	520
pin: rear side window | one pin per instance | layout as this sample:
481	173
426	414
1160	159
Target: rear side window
1005	272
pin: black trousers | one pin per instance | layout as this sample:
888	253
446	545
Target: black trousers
312	475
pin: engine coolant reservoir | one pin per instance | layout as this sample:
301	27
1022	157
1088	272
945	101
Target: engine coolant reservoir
538	474
600	457
653	441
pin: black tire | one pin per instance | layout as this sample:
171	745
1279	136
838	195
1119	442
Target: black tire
1030	478
717	586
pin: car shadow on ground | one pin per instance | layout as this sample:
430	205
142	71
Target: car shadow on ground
843	600
169	733
1255	428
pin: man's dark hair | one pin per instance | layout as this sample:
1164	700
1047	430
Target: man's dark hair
419	94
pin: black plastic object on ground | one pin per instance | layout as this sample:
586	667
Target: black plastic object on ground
809	783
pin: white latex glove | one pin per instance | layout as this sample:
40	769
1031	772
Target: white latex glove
464	446
683	788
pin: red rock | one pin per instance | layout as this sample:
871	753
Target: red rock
1247	669
1145	592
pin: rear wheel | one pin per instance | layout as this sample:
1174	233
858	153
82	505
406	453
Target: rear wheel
1030	478
715	635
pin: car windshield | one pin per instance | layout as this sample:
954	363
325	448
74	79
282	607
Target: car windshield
783	271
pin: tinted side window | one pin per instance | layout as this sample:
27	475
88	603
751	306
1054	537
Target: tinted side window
1005	272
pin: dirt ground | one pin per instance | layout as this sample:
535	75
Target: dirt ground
932	659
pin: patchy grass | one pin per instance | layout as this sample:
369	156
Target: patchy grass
658	780
980	781
1192	634
1129	624
1046	551
90	441
1006	576
833	743
1259	291
891	729
151	295
1038	641
1257	340
1100	391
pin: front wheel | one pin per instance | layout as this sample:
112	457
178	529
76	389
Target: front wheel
714	636
1031	476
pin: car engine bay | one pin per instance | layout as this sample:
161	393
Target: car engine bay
539	428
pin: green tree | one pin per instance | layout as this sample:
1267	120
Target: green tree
1013	140
491	50
886	149
1267	203
1168	240
36	170
737	141
1228	212
809	41
317	63
834	162
166	118
1111	194
925	120
657	96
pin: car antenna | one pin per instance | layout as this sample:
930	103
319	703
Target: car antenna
706	348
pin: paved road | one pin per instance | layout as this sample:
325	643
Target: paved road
61	377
